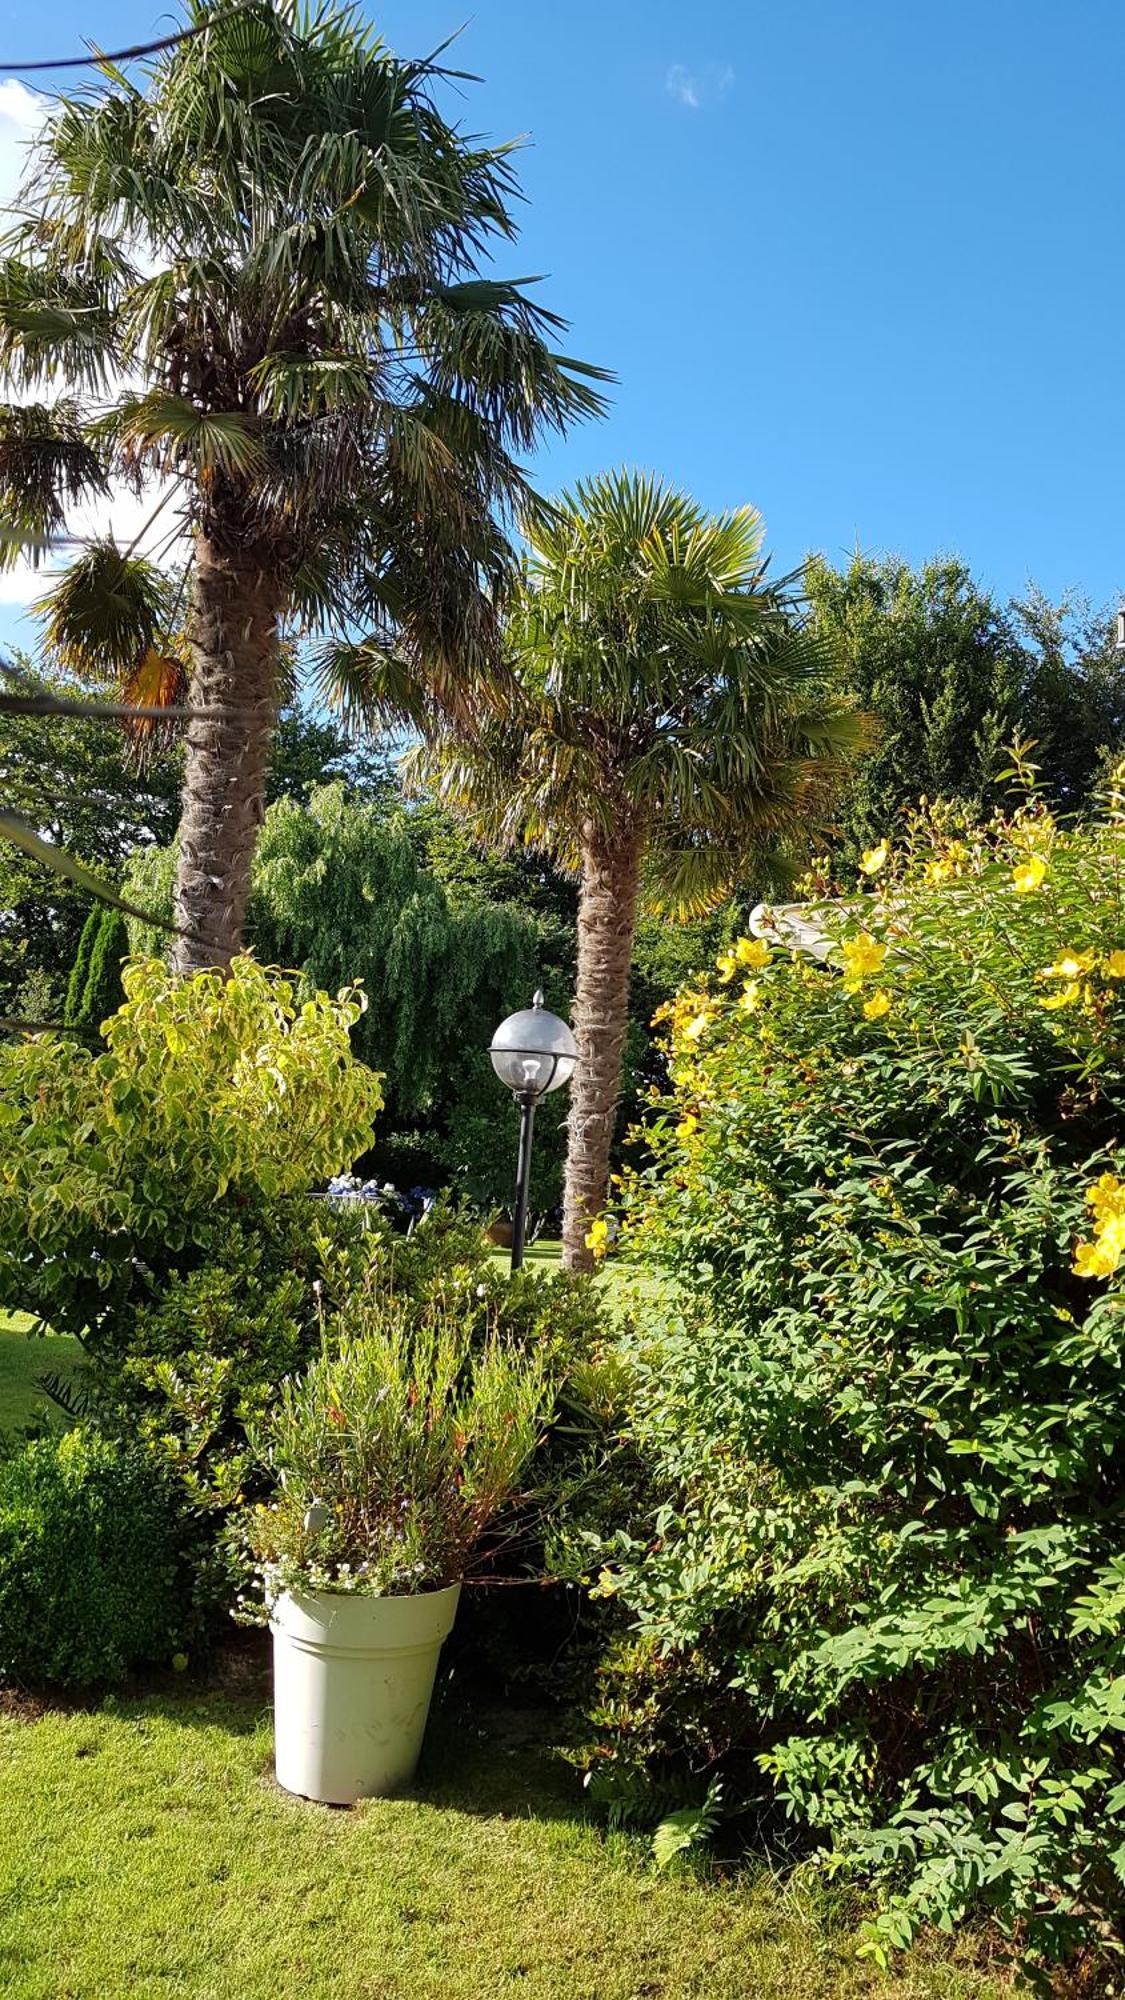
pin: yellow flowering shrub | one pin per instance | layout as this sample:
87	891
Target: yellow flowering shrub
884	1575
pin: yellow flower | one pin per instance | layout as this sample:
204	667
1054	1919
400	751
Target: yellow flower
875	858
863	955
878	1005
1114	965
1065	996
746	951
1071	965
607	1584
1106	1203
1092	1260
597	1237
697	1026
1106	1199
750	997
1029	875
937	872
687	1126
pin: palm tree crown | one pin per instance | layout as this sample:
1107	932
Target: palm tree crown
661	724
660	685
259	278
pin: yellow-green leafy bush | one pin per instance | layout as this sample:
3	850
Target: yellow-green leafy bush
883	1583
210	1091
152	1198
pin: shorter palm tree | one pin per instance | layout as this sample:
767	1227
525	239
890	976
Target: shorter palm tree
662	727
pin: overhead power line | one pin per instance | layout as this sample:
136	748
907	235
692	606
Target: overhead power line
128	55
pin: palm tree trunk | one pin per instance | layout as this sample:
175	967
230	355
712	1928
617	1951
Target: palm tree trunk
607	920
233	643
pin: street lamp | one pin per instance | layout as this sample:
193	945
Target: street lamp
532	1052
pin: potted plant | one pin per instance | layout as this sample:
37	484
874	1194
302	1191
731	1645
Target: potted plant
392	1456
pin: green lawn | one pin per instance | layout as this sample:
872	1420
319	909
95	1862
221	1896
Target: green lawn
627	1286
22	1361
145	1850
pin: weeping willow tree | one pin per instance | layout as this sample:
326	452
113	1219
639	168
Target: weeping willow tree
339	893
257	284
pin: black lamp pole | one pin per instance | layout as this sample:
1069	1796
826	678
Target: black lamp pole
533	1053
526	1099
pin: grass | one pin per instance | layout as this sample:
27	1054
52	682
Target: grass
145	1850
628	1288
22	1361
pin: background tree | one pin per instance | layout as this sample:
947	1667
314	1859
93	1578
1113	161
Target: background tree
77	781
95	990
72	779
340	893
662	720
952	676
278	244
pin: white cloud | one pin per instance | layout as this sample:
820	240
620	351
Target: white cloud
694	88
21	113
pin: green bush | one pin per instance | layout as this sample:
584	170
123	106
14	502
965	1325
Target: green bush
882	1584
90	1578
395	1451
214	1099
194	1366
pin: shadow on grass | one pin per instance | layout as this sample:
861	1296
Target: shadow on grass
230	1688
498	1760
482	1755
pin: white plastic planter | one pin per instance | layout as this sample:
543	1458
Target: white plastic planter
352	1681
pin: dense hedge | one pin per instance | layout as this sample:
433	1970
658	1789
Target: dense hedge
883	1581
91	1582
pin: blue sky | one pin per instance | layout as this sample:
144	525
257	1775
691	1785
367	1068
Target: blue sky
859	264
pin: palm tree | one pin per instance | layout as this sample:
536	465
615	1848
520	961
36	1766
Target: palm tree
660	729
255	286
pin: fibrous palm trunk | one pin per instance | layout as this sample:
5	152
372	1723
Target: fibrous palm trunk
233	643
607	918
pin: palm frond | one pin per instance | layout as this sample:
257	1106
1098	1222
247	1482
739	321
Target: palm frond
46	466
656	682
102	614
177	433
54	322
283	247
152	694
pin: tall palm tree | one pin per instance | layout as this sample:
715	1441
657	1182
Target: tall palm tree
254	283
661	728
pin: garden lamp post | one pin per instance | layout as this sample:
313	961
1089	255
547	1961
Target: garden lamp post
533	1052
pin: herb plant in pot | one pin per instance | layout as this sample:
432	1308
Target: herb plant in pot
392	1455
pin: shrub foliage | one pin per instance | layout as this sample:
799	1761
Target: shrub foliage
395	1451
213	1098
90	1578
884	1577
